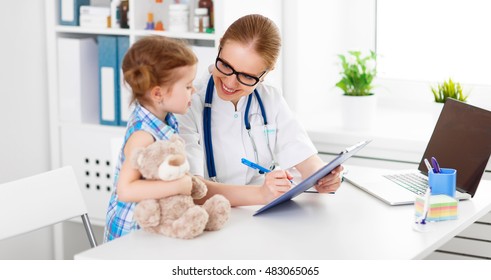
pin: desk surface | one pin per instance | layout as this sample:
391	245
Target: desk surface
348	225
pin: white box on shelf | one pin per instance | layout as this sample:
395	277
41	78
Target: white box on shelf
95	10
93	21
78	80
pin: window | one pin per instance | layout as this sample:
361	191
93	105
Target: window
433	40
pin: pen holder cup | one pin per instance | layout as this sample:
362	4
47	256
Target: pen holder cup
444	182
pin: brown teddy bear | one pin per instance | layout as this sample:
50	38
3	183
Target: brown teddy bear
176	216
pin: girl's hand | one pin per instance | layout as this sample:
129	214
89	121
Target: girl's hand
331	182
276	183
185	185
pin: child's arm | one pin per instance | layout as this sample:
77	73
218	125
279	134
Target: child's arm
132	188
238	195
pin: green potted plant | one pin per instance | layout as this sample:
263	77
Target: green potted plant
358	102
357	73
448	89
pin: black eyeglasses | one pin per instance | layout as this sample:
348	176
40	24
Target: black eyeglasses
243	78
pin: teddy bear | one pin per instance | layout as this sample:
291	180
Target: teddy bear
176	216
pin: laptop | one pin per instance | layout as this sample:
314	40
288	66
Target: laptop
461	140
312	179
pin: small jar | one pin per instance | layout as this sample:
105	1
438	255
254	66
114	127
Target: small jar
201	20
178	18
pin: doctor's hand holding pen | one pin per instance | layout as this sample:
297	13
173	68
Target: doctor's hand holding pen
277	182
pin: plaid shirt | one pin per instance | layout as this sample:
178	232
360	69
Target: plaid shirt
119	218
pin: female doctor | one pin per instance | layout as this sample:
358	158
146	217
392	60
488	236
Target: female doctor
234	115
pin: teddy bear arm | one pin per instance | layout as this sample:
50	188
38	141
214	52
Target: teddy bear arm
199	189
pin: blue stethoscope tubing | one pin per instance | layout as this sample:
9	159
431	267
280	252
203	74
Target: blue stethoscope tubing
210	160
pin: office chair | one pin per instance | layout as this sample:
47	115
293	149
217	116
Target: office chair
42	200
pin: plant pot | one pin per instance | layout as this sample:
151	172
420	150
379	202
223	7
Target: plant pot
358	112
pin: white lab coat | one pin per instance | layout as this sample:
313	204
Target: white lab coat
288	139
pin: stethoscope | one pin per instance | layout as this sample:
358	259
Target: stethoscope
210	160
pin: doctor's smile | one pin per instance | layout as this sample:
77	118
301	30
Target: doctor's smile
227	90
232	84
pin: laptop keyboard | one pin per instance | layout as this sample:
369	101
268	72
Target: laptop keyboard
410	181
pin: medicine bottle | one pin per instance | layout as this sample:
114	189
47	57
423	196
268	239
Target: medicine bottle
208	4
201	20
178	18
124	20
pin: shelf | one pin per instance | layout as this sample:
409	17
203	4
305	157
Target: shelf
128	32
82	30
118	130
186	35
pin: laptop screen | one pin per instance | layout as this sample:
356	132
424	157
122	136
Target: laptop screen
461	140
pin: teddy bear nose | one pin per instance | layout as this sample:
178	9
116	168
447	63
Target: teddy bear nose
176	160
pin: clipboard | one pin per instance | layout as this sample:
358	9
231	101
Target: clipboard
312	179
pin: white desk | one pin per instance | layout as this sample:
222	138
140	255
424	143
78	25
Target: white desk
348	225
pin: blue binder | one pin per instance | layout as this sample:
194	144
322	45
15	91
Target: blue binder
124	91
69	11
108	80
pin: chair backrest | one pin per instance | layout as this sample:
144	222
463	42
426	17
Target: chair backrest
42	200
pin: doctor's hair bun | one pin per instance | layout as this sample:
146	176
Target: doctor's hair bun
258	31
152	61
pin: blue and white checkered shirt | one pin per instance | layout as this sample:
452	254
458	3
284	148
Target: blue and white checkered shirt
119	218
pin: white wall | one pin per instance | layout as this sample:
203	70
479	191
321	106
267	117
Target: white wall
415	55
446	47
314	32
24	139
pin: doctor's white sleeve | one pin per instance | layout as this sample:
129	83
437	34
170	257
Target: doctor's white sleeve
190	126
293	143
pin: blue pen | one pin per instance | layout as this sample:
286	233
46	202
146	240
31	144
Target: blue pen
436	166
255	166
261	169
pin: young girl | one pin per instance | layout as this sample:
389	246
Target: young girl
160	72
